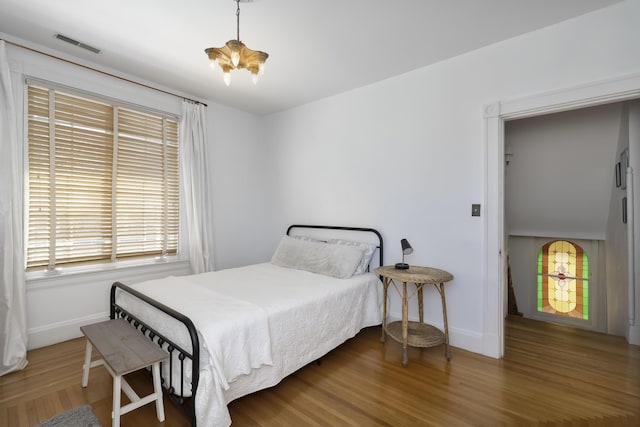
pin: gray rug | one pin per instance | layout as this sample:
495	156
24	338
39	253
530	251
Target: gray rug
78	417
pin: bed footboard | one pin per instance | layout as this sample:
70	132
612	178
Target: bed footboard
176	352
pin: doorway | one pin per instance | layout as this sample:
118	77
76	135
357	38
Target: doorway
495	116
560	186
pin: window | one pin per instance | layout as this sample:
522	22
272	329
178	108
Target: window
563	280
103	181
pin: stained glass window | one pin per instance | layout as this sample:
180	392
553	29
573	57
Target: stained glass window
563	280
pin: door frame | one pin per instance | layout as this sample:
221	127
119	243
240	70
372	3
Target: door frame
618	89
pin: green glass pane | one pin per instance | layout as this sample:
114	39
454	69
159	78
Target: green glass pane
585	289
585	298
539	292
540	261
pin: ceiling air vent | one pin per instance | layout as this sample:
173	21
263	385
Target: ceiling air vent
77	43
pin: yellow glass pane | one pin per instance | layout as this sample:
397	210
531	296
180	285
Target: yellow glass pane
562	258
561	267
572	293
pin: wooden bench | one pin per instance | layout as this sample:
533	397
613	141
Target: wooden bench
124	350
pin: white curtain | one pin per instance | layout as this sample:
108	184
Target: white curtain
13	316
193	159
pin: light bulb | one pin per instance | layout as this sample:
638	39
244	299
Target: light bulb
212	63
261	68
254	77
227	78
235	58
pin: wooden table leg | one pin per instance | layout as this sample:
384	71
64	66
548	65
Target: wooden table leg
385	287
405	324
420	286
447	350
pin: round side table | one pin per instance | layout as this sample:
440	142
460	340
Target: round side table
415	334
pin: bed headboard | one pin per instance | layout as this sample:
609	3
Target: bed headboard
324	232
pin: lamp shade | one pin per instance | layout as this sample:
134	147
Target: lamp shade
406	247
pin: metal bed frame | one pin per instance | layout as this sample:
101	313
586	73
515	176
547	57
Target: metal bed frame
188	404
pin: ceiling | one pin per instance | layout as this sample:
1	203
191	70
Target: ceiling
316	48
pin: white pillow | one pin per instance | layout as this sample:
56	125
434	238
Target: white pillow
330	259
311	239
369	249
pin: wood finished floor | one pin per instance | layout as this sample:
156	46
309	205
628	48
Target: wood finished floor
550	376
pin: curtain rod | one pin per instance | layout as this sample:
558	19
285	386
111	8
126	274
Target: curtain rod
102	72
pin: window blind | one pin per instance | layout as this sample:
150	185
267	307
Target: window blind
103	181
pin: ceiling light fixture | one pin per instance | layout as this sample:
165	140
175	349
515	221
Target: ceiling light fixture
235	56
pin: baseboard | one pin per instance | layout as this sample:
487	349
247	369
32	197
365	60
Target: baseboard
69	329
634	335
61	331
491	345
468	340
460	338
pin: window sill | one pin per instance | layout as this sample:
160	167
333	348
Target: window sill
115	271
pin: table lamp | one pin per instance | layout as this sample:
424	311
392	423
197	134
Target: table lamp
406	250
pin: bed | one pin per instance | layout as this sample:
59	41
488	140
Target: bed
233	332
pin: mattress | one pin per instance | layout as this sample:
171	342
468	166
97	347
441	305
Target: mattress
275	320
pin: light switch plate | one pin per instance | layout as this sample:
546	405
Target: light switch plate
475	209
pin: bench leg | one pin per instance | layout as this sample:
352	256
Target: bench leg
87	365
120	385
115	415
157	388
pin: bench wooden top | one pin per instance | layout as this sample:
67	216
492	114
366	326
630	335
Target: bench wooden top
123	348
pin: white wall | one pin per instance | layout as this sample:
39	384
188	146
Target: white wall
407	155
57	305
241	187
559	178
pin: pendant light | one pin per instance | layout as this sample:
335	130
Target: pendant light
235	55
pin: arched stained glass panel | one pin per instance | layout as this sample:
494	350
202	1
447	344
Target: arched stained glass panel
563	280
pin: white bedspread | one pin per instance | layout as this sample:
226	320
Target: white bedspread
234	332
308	315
